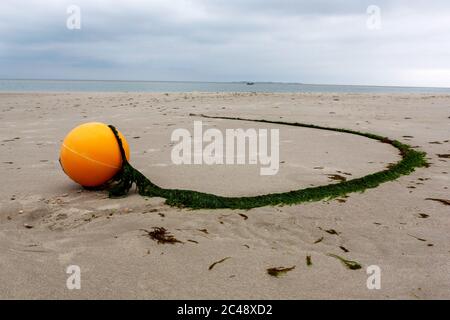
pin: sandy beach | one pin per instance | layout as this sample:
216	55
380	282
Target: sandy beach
47	222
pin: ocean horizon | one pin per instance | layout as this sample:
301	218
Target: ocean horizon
35	85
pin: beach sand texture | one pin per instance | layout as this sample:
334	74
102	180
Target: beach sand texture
47	222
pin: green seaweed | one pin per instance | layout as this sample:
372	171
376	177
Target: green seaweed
128	176
352	265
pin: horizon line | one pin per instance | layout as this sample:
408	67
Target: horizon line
228	82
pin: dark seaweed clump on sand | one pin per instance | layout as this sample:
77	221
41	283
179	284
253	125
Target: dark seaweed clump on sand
161	235
278	271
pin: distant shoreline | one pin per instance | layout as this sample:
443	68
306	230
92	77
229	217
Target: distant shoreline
225	82
43	85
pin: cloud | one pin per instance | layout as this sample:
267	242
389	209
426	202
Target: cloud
211	40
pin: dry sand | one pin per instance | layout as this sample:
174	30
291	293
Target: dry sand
48	223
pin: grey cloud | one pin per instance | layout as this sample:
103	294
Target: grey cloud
285	40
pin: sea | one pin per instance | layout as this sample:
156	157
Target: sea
186	86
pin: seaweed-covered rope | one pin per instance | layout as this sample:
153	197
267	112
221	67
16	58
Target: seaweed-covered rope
128	176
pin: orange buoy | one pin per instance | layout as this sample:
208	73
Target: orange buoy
90	154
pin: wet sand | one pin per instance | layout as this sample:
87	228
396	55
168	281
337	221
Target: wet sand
47	222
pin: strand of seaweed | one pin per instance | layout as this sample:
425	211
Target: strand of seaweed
128	175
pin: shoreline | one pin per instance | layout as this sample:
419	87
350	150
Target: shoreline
251	93
231	82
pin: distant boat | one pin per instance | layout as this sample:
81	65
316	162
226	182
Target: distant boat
250	83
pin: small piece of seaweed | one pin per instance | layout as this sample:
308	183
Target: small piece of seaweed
243	216
318	240
332	231
336	177
161	235
220	261
308	261
420	239
444	201
352	265
278	271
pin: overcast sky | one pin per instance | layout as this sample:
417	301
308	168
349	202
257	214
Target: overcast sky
326	42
